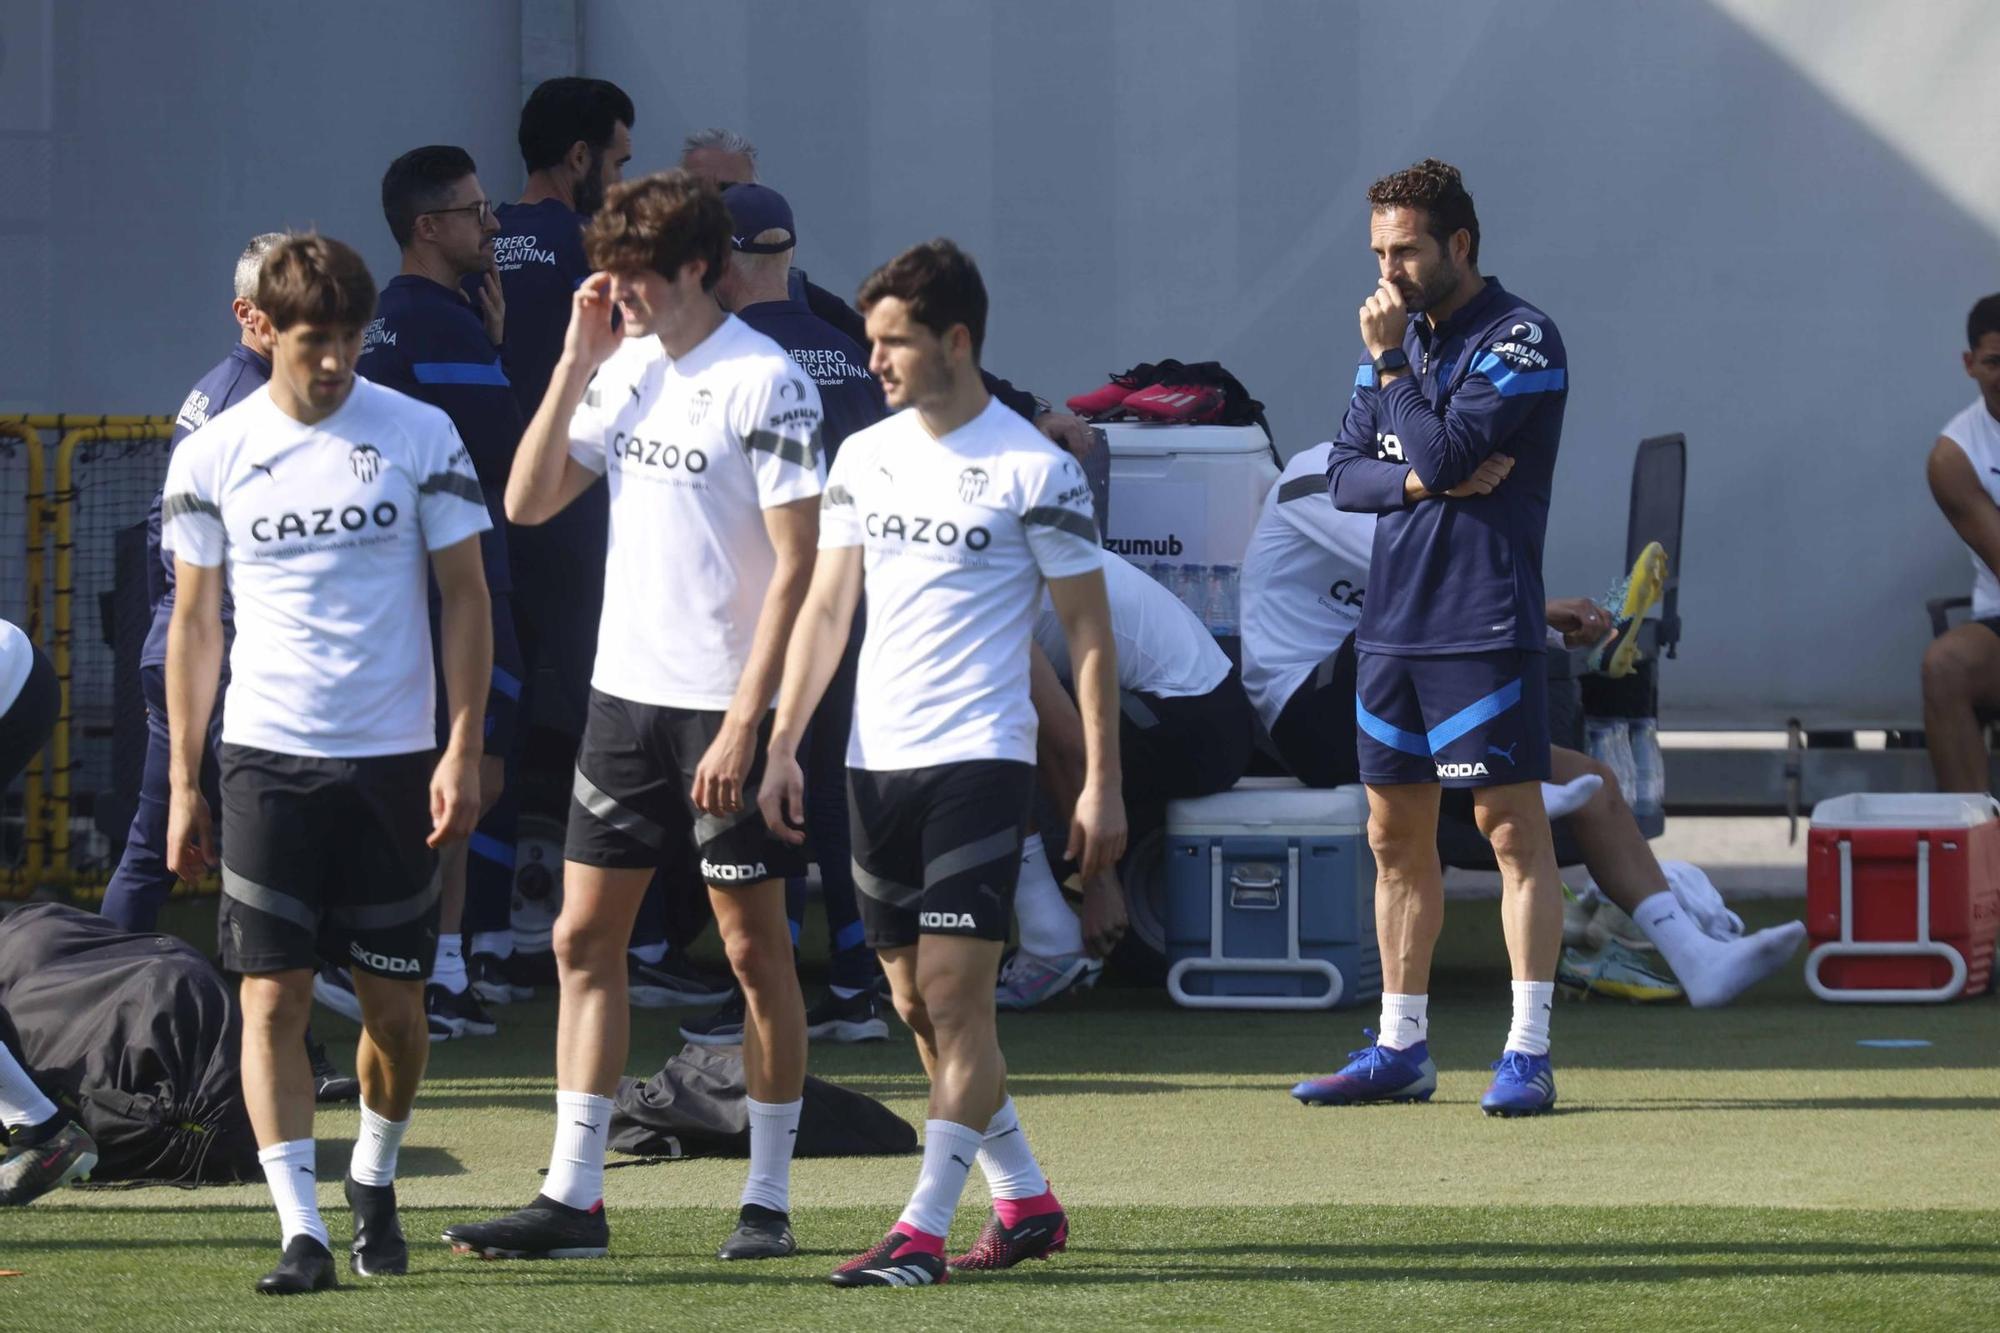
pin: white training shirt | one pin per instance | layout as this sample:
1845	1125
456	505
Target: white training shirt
1163	648
958	534
17	659
697	449
327	531
1303	579
1976	432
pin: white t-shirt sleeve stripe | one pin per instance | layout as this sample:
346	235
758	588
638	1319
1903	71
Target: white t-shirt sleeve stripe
450	505
1068	520
452	483
839	523
1055	515
799	453
778	417
190	521
588	430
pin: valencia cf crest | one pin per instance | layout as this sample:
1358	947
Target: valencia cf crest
366	460
698	406
972	484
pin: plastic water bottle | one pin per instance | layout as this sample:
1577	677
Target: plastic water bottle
1649	768
1219	606
1188	587
1611	745
1162	573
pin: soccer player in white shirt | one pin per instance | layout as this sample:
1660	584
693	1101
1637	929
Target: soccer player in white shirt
326	499
1184	730
952	512
709	435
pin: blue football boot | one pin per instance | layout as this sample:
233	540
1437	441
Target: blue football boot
1375	1073
1523	1084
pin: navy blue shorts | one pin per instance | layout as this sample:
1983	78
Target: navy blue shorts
1472	720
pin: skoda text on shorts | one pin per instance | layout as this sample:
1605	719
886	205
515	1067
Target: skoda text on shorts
326	498
951	514
709	436
1456	411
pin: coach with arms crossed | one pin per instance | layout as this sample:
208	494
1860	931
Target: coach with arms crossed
1450	440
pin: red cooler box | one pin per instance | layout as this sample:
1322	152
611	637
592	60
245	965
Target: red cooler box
1902	896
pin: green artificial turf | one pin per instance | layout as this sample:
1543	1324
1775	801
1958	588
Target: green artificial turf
1156	1265
1746	1167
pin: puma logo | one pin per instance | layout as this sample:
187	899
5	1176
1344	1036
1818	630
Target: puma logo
266	469
1507	754
633	389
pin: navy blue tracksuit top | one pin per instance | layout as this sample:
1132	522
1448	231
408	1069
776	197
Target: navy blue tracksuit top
233	379
1452	576
427	342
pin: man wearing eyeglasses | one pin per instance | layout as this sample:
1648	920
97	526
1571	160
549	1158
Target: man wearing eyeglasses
430	342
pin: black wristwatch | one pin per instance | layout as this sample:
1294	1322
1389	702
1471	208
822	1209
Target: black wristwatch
1392	361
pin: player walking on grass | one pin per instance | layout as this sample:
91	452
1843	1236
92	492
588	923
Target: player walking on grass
1450	440
326	498
950	514
709	434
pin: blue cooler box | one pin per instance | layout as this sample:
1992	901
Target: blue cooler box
1271	898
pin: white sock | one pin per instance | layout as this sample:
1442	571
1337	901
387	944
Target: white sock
1713	972
844	992
949	1151
1048	926
1406	1021
649	954
494	943
1532	1002
374	1159
1006	1160
576	1163
774	1128
21	1102
290	1170
449	969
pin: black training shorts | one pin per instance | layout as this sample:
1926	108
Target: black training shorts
327	859
937	851
633	793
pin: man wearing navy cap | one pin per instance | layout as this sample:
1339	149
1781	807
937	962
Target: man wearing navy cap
755	288
728	158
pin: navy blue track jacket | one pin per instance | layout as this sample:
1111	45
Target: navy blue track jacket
1457	575
427	342
233	379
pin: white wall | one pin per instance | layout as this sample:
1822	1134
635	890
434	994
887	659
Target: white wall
1749	219
1757	221
142	145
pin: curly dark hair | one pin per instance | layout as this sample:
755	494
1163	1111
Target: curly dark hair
1438	189
660	222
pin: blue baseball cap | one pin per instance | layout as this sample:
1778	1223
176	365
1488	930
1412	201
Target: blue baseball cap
753	210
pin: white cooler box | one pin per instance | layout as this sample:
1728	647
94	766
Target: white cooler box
1184	501
1271	898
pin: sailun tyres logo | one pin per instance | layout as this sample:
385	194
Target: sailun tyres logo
1525	332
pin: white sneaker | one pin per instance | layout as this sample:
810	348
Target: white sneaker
1030	979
